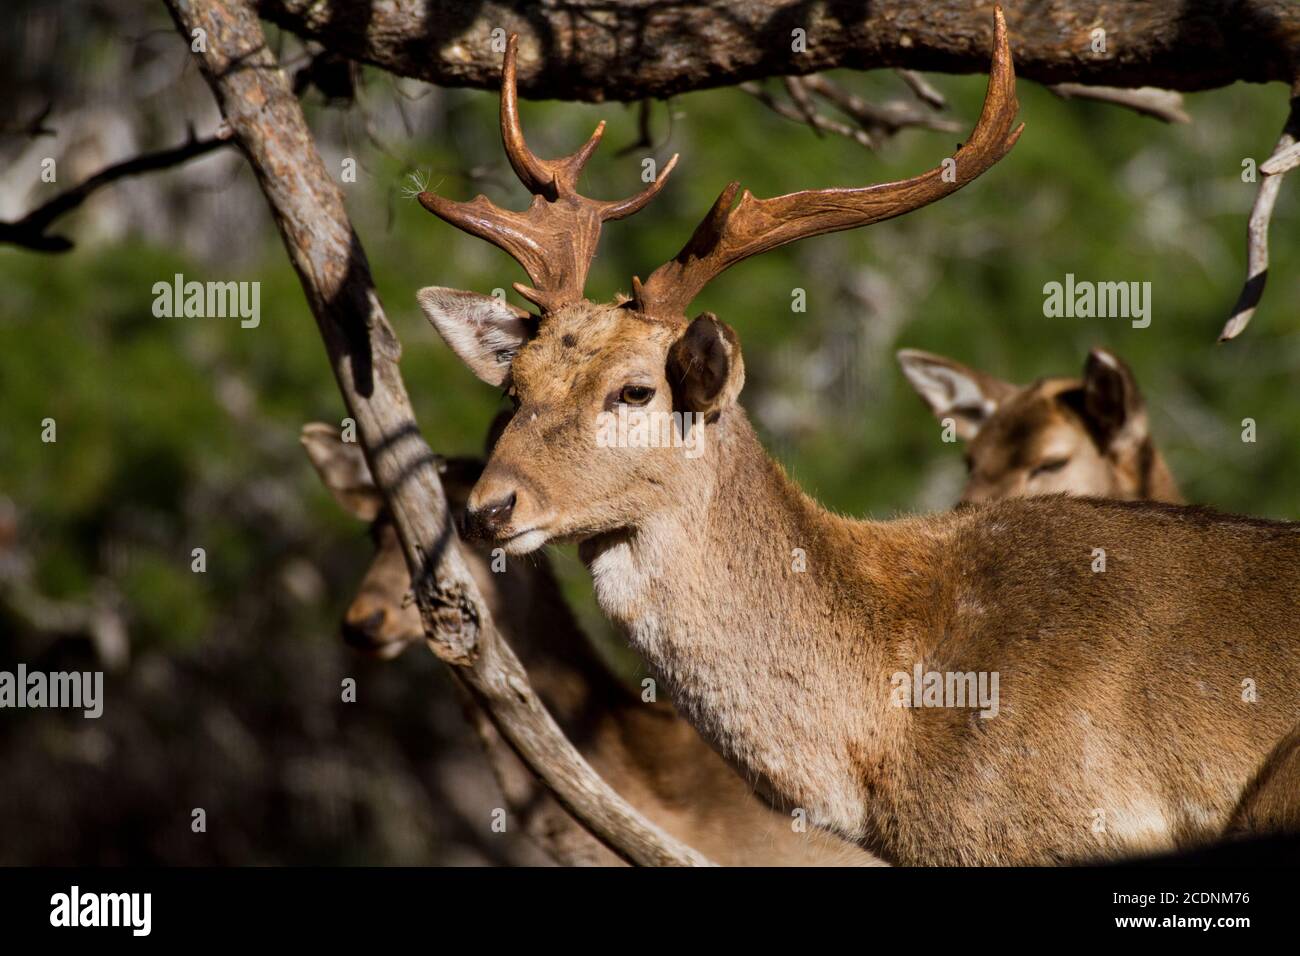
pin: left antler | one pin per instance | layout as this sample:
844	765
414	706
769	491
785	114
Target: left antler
727	235
555	238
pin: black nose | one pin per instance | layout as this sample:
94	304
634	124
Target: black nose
491	518
365	634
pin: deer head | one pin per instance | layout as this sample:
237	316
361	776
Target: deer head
1081	436
638	357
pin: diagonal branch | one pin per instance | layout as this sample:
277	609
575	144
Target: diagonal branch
268	124
1261	214
30	231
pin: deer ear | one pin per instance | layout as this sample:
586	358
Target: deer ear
705	368
1112	403
483	330
343	470
952	390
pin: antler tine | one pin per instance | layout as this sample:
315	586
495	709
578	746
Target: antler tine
555	238
532	172
727	235
622	208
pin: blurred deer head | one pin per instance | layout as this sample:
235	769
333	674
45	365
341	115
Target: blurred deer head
380	620
639	358
1084	436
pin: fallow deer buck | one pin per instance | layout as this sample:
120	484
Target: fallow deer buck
1084	436
1122	633
645	751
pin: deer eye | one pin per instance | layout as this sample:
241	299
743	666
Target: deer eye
1049	466
636	394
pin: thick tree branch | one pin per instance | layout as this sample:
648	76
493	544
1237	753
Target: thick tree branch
268	124
606	49
30	231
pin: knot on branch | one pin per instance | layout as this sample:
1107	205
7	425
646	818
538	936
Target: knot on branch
451	620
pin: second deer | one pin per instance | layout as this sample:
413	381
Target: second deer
1083	436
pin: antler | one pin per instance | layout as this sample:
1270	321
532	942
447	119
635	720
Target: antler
555	238
727	235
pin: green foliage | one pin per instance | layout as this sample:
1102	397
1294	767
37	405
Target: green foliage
150	458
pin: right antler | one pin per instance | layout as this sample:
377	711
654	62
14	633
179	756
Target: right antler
555	238
727	235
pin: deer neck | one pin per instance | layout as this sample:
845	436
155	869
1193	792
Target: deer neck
762	612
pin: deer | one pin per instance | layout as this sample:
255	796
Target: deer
648	753
1086	436
1120	635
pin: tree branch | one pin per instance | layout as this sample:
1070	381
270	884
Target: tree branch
605	49
1164	105
30	231
1261	214
268	124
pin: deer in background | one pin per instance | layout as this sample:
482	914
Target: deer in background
651	756
1087	437
782	628
1084	436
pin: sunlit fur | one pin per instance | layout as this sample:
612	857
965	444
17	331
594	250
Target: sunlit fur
644	750
1121	690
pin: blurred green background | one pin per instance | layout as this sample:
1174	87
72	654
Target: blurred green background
180	433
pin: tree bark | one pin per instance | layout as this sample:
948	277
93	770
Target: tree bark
606	49
268	125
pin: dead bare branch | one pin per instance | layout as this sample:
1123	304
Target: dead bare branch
922	89
269	126
818	122
1261	214
1165	105
30	231
874	122
794	86
1282	162
880	119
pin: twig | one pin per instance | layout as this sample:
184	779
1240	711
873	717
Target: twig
268	122
794	86
817	121
1257	228
644	139
922	89
886	119
30	231
1165	105
1282	162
